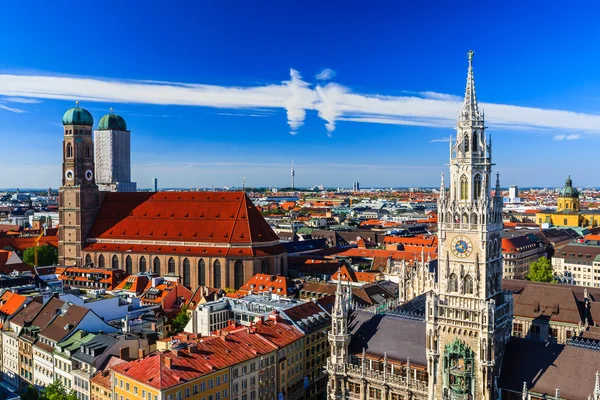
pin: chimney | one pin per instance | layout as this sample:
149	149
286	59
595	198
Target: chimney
193	348
124	353
169	362
140	353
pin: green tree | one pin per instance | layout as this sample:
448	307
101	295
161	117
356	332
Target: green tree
541	271
180	321
31	393
47	255
56	391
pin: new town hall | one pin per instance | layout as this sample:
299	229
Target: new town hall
453	339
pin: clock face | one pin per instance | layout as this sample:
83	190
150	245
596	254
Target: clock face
69	175
89	175
462	246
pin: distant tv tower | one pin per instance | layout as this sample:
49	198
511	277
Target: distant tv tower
243	184
293	173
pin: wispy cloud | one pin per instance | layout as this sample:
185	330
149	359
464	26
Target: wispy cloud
11	109
440	140
325	75
567	137
441	96
332	101
19	100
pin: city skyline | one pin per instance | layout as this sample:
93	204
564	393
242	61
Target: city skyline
231	120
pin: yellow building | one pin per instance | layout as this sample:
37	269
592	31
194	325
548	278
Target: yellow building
170	375
569	212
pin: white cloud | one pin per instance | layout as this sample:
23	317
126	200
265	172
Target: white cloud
332	102
20	100
325	75
573	136
298	100
441	96
441	140
11	109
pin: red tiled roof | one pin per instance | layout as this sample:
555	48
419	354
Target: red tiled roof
267	283
349	275
134	284
166	369
11	302
211	217
23	243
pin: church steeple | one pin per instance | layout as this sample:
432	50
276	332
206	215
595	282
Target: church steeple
469	266
470	111
339	340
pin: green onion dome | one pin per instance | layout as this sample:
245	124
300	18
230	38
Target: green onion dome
568	190
78	116
112	122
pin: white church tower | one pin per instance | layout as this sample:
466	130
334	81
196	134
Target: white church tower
469	318
112	142
339	340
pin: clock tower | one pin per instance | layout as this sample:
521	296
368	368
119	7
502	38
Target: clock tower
78	195
469	318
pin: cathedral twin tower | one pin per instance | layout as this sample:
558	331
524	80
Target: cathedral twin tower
87	172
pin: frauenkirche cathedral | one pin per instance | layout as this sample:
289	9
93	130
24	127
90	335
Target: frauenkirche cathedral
451	340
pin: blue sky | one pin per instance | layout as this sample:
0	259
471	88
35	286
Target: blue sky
216	91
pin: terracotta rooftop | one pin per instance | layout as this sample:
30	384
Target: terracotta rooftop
268	283
196	358
207	217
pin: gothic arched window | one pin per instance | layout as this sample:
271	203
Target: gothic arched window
453	283
468	284
477	187
115	262
264	266
466	142
88	259
473	219
475	141
171	265
143	264
128	265
69	150
217	274
101	261
87	151
464	188
201	273
238	273
187	272
156	269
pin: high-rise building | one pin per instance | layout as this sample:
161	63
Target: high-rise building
513	192
356	186
113	155
468	316
79	196
155	184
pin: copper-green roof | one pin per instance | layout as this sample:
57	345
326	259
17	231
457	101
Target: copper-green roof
568	190
113	122
78	116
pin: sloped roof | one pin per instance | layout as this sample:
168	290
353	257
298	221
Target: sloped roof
208	355
11	302
268	283
69	317
549	366
26	314
207	217
378	334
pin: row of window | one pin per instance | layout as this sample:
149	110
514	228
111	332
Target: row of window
172	268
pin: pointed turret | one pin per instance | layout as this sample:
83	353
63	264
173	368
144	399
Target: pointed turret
442	188
597	387
525	393
498	193
470	111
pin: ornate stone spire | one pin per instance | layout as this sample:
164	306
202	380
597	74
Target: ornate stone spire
470	111
339	307
597	386
525	393
442	188
498	192
557	394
